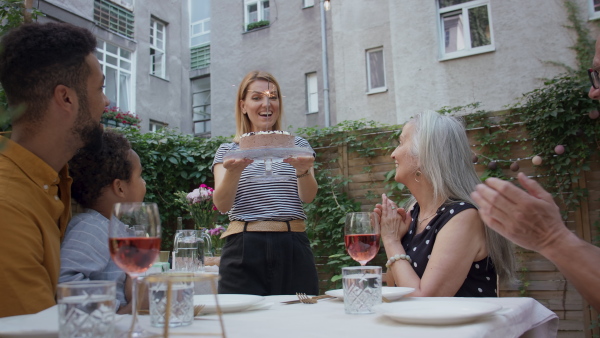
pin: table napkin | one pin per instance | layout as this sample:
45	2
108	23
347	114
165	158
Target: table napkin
41	324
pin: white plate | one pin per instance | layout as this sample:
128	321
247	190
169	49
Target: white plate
227	302
436	312
390	293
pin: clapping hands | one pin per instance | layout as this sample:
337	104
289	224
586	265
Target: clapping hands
394	221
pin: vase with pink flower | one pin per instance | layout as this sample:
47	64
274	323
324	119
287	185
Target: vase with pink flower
200	205
216	240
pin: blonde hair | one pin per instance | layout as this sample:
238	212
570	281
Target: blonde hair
441	146
242	122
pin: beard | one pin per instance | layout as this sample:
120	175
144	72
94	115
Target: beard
88	131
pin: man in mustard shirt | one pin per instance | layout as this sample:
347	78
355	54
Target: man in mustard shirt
54	81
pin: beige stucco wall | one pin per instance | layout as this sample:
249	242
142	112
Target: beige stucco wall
526	35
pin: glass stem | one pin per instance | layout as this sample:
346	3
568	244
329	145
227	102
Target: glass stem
134	320
268	167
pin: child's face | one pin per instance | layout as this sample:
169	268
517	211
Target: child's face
136	187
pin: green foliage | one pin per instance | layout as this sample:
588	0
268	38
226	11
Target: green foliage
557	114
173	162
325	222
115	117
257	24
11	16
326	214
584	45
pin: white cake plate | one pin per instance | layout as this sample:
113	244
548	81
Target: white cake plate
274	154
269	156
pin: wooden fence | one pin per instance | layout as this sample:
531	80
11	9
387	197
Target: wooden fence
540	278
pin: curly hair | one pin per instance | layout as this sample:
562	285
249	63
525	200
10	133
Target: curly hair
35	58
94	170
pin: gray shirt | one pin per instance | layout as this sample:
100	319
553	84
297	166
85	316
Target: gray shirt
84	253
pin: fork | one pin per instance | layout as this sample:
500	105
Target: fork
304	299
315	298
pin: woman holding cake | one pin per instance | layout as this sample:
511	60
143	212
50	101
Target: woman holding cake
440	247
267	251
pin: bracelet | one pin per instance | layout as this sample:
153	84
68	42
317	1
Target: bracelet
305	174
395	258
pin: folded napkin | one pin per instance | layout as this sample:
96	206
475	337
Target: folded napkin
41	324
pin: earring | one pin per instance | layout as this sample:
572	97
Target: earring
417	174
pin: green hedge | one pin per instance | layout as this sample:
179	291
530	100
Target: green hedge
173	162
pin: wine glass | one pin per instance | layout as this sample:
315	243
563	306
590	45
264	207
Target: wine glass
134	243
361	236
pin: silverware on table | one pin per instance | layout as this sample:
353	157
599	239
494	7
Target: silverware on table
303	298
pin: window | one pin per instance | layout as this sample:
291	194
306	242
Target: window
309	3
465	27
256	12
114	18
158	57
156	126
199	33
375	71
312	93
116	65
200	57
201	105
594	9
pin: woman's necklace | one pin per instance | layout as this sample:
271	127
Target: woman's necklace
426	218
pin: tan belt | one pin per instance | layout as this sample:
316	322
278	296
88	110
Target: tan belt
236	227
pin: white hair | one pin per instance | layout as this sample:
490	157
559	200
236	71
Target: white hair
441	147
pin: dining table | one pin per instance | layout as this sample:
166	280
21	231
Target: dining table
270	318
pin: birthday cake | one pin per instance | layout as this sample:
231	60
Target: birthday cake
266	139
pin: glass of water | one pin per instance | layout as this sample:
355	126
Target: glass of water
86	308
171	298
362	288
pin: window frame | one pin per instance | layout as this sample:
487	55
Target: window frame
468	51
205	116
593	14
370	88
120	70
154	125
157	46
306	4
308	78
259	9
114	18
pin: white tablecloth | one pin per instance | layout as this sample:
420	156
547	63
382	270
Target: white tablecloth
520	317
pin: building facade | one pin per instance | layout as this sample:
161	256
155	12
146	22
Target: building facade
179	62
280	37
143	47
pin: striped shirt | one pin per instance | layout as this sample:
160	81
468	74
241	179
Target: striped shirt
84	253
265	201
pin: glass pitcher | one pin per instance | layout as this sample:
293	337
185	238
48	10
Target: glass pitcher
189	249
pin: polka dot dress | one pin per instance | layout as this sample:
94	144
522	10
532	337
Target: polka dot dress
481	279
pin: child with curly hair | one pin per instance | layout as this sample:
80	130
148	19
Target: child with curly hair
100	179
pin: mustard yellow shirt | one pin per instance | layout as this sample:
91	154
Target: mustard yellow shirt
35	208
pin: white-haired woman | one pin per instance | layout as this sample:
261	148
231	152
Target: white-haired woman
440	247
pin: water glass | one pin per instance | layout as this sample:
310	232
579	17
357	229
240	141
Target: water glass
86	309
362	288
182	298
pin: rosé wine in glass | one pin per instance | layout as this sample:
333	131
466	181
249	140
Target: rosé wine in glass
134	235
361	236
